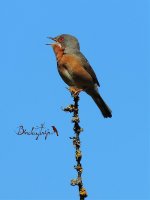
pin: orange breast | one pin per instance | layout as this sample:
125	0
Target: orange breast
58	51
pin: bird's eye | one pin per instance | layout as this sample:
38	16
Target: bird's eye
61	39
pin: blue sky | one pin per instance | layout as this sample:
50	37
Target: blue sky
114	36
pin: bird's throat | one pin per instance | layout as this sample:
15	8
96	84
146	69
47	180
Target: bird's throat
59	51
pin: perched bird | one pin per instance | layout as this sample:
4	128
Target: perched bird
76	71
55	130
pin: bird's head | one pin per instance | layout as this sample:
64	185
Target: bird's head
65	41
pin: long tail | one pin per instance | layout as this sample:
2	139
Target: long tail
104	108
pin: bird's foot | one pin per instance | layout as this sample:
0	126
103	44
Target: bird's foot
74	91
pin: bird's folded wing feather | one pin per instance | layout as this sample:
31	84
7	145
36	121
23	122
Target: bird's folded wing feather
87	67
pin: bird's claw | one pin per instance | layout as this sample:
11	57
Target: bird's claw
74	91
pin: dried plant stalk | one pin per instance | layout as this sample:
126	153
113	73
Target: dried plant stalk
74	108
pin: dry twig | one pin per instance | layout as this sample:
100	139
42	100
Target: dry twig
77	144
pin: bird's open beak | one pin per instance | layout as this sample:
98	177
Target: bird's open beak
51	38
56	42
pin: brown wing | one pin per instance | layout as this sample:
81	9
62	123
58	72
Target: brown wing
87	67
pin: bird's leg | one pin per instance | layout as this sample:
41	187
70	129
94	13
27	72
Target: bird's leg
75	91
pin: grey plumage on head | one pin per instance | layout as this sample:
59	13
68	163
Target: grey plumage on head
69	41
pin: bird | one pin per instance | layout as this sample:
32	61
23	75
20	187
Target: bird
76	71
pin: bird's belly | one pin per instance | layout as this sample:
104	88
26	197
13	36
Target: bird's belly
65	75
73	77
73	73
